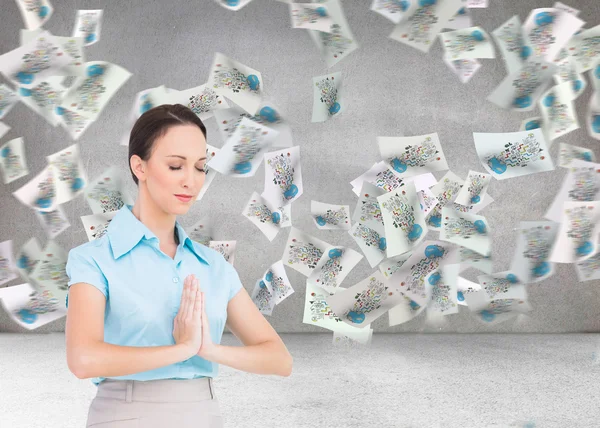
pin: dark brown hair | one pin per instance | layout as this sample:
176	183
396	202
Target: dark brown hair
153	124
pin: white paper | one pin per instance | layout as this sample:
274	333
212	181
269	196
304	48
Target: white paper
29	308
12	160
87	25
7	263
70	176
513	154
302	252
372	244
106	193
330	216
333	267
534	242
283	176
468	230
35	13
467	43
96	225
54	222
409	156
268	218
327	97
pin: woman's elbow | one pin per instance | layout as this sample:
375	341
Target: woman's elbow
75	364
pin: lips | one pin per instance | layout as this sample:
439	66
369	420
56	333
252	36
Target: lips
184	198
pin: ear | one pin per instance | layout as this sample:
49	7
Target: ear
138	166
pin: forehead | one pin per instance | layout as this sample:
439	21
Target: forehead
186	140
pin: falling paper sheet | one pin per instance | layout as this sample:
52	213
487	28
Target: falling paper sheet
8	99
372	244
474	189
29	308
7	264
334	266
558	112
585	48
467	230
327	97
263	298
409	156
533	123
513	154
95	225
73	46
12	160
581	184
338	42
546	31
54	222
202	100
368	211
502	285
283	176
4	128
234	5
49	274
445	191
534	242
461	19
330	216
470	258
318	312
520	90
567	73
495	311
477	3
90	94
87	25
209	174
561	6
144	101
107	193
405	311
225	248
232	79
577	238
593	113
31	63
27	257
403	220
473	209
70	176
589	269
302	252
394	10
310	16
393	264
74	123
464	286
201	231
429	256
443	292
361	304
467	43
422	26
380	175
268	218
268	115
351	340
277	282
463	68
243	152
35	13
509	38
44	98
40	192
568	153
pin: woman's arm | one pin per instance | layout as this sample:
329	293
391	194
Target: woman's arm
103	359
87	353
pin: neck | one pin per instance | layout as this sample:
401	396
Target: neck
161	223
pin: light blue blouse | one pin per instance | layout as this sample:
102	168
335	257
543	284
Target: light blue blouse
143	288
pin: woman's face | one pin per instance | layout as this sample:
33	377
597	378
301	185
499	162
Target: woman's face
174	173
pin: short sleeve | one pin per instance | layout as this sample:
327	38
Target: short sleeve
235	284
83	268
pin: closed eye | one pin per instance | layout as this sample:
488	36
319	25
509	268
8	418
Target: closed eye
173	168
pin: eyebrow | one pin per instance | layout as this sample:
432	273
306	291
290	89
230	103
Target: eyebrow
183	157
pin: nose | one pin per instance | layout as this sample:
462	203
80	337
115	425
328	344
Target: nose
188	179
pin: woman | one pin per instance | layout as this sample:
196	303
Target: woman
147	305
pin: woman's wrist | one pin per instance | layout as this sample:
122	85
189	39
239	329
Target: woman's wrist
185	351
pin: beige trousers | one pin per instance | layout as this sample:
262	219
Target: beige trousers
163	403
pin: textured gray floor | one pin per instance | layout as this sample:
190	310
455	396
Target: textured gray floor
410	380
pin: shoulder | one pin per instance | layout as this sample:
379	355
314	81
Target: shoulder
96	250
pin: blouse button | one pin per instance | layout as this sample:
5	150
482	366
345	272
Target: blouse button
175	279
